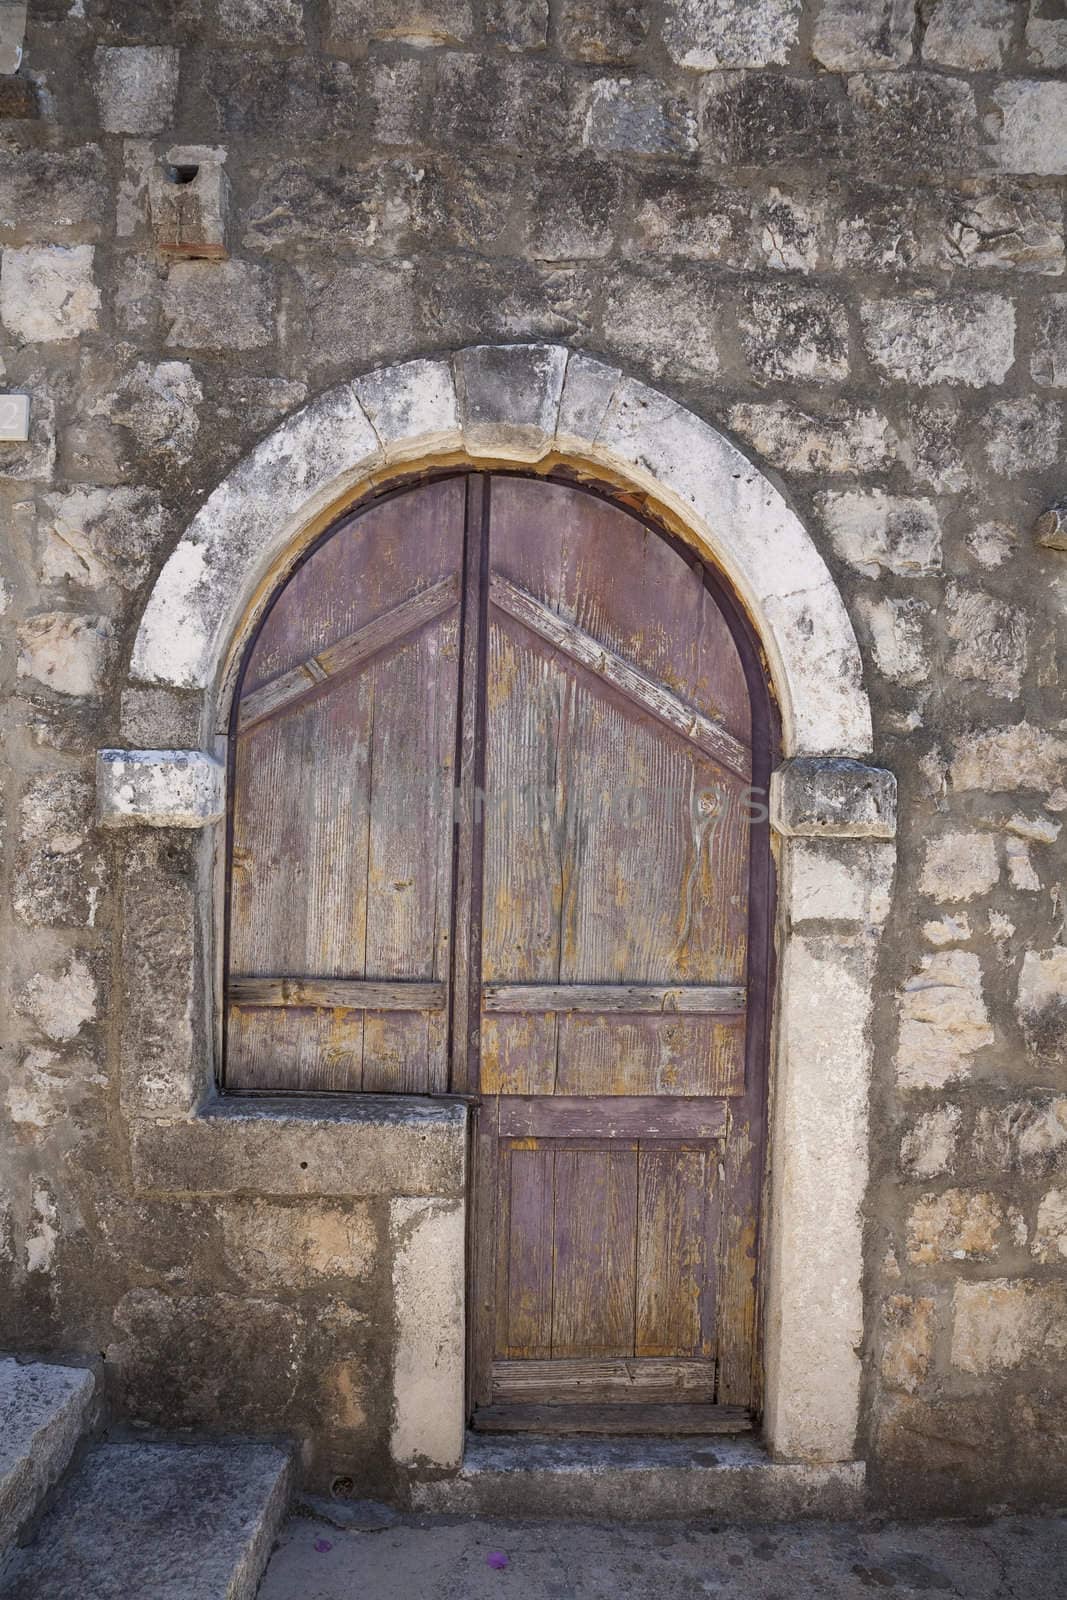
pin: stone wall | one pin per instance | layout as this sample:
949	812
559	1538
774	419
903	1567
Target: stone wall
835	230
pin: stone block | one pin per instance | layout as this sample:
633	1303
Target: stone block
956	1225
48	294
1042	1005
1046	36
219	305
571	210
831	797
357	313
929	1146
256	93
636	116
12	34
840	439
160	719
606	31
895	629
644	316
412	408
62	1001
794	332
101	537
1028	126
1027	1137
790	231
269	22
1007	1323
970	35
1049	1241
165	1063
338	1147
731	33
897	113
687	214
588	386
908	1332
66	652
1048	364
854	35
1050	529
52	196
503	102
925	339
988	641
943	1020
517	24
298	1247
160	404
877	532
429	1271
59	879
840	882
188	199
35	459
159	788
959	866
930	439
136	87
1022	436
756	119
1019	757
410	22
509	398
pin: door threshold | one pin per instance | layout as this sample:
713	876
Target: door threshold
625	1419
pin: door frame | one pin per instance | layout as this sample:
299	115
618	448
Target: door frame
540	404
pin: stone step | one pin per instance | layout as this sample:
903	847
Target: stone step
44	1412
639	1479
157	1522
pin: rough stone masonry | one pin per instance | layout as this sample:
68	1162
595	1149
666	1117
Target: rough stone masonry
834	229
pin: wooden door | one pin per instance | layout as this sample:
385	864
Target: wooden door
495	750
619	1131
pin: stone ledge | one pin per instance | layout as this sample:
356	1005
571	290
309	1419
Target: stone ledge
639	1479
817	797
158	788
338	1146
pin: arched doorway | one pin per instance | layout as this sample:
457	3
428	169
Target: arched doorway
499	749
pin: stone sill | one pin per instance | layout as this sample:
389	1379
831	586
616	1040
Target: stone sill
335	1146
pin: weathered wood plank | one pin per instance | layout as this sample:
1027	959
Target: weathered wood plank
611	1117
711	737
635	1382
526	1236
594	1216
344	994
645	999
347	654
612	1419
676	1249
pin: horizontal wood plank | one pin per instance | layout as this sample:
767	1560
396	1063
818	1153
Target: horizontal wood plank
662	1382
624	998
344	994
612	1419
348	653
611	1117
708	735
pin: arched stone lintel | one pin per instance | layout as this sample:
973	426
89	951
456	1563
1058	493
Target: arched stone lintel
519	403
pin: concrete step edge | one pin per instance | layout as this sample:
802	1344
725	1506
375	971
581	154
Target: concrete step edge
45	1411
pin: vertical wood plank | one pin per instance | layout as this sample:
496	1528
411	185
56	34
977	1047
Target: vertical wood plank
594	1250
676	1252
527	1227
